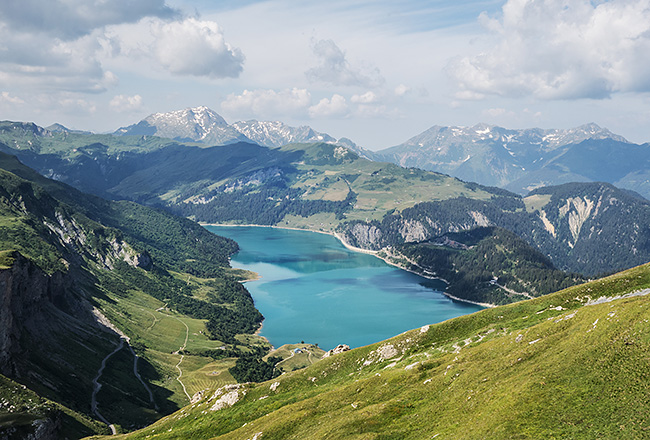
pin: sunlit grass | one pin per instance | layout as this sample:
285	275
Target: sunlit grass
551	367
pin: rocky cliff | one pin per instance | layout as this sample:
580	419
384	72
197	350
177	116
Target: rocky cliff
25	293
35	306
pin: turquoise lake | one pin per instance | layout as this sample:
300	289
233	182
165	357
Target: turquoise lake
315	290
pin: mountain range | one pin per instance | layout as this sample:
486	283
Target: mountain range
114	313
587	228
523	160
201	124
519	160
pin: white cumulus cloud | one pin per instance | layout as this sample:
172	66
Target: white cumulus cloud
335	69
72	103
327	108
402	90
6	97
560	49
125	103
267	103
56	45
366	98
37	63
195	47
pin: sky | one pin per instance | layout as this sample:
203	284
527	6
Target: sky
376	72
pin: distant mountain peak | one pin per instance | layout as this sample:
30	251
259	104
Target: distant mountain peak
24	127
194	124
549	139
497	156
203	116
59	128
276	133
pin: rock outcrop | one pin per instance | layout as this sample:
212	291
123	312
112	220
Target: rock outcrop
365	236
337	350
26	292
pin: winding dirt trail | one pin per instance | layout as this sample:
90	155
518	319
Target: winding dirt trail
178	365
97	386
180	361
137	375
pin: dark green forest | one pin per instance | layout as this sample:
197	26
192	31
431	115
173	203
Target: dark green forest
476	262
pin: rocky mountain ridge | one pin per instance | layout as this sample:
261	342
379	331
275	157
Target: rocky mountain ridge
578	226
519	160
199	124
325	187
321	186
517	141
203	125
522	160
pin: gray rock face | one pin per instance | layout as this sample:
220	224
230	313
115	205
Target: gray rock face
26	295
366	236
276	133
413	231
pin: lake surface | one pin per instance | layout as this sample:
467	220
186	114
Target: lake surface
315	290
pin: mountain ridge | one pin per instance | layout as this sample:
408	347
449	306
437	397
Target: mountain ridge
201	124
325	187
522	160
81	280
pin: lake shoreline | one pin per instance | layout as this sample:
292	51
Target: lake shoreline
360	250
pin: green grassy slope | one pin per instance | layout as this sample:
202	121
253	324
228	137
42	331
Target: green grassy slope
296	356
329	172
26	136
316	186
589	228
573	364
163	281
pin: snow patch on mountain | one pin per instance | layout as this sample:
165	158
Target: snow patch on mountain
203	125
276	133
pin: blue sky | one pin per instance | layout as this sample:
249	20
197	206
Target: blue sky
377	72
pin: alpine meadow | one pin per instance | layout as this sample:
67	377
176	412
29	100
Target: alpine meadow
302	220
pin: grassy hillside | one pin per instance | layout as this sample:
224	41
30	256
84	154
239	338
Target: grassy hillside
573	364
316	186
589	228
80	273
26	136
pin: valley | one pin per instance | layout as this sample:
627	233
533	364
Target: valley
285	220
329	188
313	289
140	310
97	297
533	368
